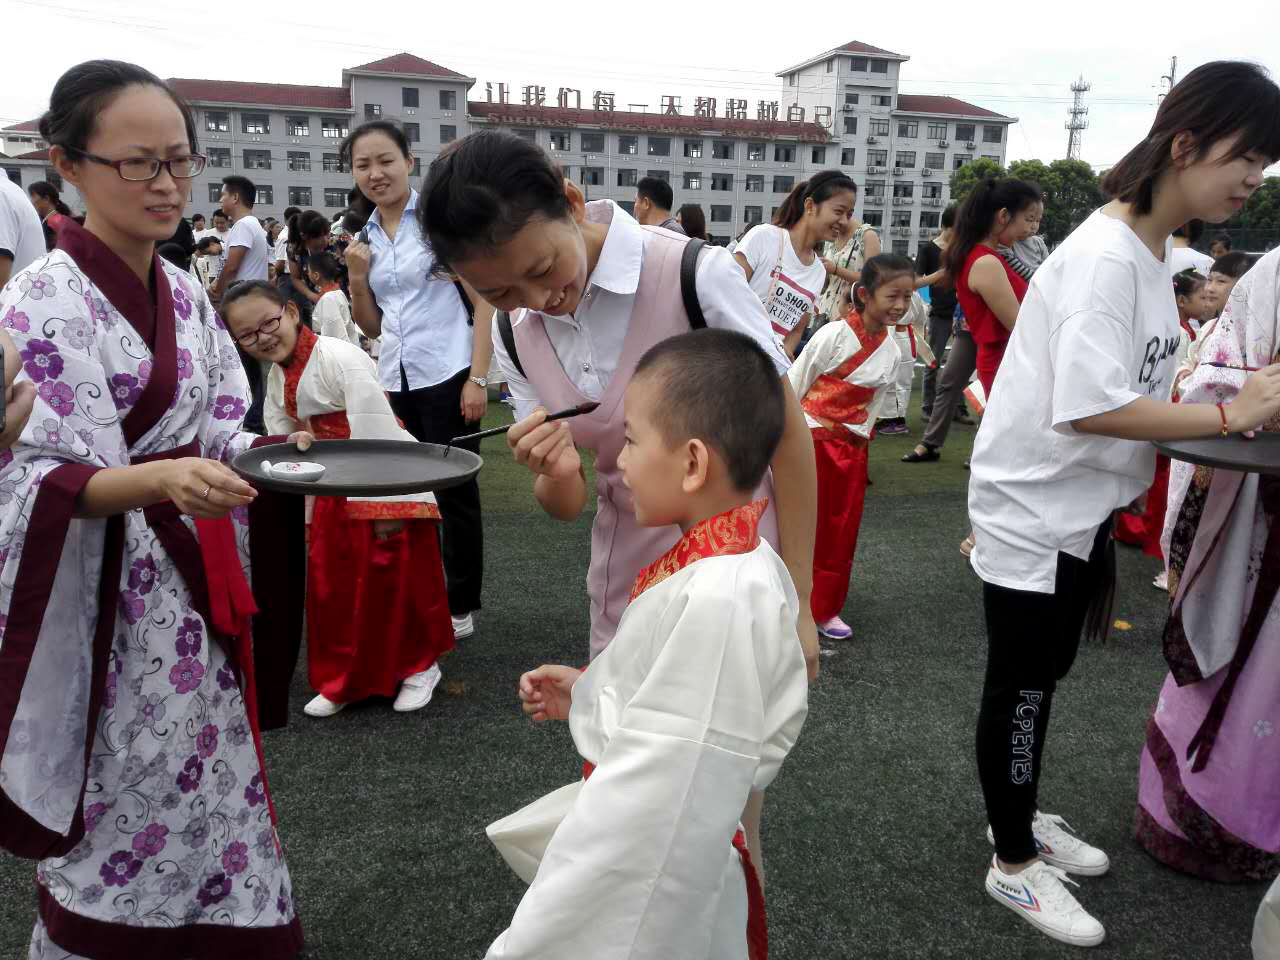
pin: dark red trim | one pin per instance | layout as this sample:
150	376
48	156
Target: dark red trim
120	286
199	941
159	390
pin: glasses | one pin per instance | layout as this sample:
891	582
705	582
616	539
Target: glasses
268	326
136	169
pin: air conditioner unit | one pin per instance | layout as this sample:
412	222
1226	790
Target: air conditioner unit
944	143
875	169
970	144
872	140
848	108
897	171
926	172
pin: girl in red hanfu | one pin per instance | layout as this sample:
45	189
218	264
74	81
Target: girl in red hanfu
377	610
1144	529
842	379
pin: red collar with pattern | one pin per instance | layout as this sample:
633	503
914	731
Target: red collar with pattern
297	365
724	535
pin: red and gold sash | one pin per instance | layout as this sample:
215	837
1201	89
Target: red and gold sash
726	534
833	398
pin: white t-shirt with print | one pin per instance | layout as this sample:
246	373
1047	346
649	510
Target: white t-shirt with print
1097	329
787	288
281	251
247	232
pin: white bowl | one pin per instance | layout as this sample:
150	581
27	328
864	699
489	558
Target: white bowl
295	470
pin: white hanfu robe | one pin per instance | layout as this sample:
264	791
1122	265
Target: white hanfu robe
694	704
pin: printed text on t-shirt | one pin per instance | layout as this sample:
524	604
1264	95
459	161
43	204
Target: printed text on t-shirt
788	303
1159	349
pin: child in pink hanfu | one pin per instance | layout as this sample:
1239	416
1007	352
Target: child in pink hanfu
694	704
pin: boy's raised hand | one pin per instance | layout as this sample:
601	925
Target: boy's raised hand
547	692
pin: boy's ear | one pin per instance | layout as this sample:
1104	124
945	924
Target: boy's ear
697	466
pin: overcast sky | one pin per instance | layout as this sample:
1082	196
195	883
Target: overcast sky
1020	64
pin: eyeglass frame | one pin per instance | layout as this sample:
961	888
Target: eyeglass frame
256	332
167	164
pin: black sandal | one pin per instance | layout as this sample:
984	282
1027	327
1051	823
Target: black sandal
929	455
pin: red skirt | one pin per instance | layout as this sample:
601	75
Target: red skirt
377	610
1144	531
842	490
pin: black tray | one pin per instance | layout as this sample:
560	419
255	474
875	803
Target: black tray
1236	452
363	468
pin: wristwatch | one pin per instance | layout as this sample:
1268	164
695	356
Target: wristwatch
480	382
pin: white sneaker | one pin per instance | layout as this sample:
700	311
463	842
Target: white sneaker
1039	895
1064	850
1161	582
322	706
463	627
416	690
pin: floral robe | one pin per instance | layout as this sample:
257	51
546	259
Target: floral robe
128	765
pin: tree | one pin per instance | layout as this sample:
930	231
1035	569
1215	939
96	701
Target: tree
967	177
1262	212
1073	193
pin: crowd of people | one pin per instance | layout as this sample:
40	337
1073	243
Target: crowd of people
736	394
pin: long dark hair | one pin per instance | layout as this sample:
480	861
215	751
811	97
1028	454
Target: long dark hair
694	221
359	202
483	192
878	271
978	212
47	191
303	227
821	186
87	89
1214	101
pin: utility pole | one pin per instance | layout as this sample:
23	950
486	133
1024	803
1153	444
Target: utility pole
1171	77
1078	121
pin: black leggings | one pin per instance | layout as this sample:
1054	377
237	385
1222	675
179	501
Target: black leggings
1032	639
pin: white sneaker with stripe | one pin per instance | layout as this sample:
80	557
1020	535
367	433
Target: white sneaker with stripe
1064	850
1039	895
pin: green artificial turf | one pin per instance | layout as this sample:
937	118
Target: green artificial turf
874	831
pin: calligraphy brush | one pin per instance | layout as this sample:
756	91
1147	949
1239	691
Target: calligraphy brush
493	432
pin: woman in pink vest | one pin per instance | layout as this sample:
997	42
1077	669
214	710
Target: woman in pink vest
589	291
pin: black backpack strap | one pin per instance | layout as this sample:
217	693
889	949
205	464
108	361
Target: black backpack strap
466	302
509	340
688	286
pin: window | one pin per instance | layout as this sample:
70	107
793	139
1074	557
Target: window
332	163
858	64
593	176
298	126
879	128
417	167
299	160
628	145
448	99
14	174
879	66
819	155
412	132
931	191
902	247
909	128
257	159
831	64
663	175
592	142
693	181
373	111
791	79
334	127
448	132
905	158
219	156
878	158
882	100
873	218
992	157
935	161
299	196
530	135
937	131
722	150
52	178
900	218
721	213
335	197
215	192
783	154
755	183
906	190
992	133
965	131
753	214
722	181
628	177
875	188
783	184
255	123
693	149
755	151
960	159
264	195
628	205
659	146
561	140
219	122
408	96
931	219
850	124
848	156
850	98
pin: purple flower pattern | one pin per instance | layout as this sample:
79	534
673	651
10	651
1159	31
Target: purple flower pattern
189	637
185	367
207	741
15	319
186	675
132	606
192	773
142	574
121	867
58	396
38	287
149	841
41	360
235	859
227	407
214	889
125	390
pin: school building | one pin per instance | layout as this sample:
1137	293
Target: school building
734	157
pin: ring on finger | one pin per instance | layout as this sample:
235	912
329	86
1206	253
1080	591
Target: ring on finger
207	488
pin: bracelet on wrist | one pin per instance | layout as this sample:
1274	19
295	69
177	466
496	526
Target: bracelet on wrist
1222	412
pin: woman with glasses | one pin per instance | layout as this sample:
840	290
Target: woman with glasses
129	740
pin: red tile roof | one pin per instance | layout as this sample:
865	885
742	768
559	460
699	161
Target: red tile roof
519	114
408	64
267	94
26	126
33	155
854	46
916	103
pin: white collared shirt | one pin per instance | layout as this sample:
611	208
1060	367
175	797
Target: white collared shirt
589	343
424	324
